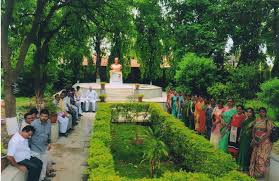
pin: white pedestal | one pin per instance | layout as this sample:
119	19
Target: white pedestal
116	78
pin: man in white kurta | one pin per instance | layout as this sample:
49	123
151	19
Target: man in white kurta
78	99
61	116
91	98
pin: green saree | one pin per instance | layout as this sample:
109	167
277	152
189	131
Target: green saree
245	141
227	117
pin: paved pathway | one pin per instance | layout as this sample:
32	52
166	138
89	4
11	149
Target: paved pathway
70	153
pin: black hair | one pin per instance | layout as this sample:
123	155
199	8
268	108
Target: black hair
72	89
239	105
34	110
262	109
29	128
64	92
78	87
220	102
230	99
44	111
56	95
27	114
253	112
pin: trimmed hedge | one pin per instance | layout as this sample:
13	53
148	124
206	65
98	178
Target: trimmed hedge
194	152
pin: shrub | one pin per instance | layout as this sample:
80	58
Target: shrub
244	81
195	74
221	91
270	94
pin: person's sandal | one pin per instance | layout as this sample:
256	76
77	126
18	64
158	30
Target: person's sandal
51	175
51	170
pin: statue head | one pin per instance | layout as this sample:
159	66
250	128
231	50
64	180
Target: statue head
116	60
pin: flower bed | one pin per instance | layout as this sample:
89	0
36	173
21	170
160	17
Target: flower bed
194	152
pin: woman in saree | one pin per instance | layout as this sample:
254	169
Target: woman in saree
169	100
245	140
227	115
202	118
198	106
174	101
261	145
216	123
235	128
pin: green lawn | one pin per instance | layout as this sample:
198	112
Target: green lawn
23	104
128	155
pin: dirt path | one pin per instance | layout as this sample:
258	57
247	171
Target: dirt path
70	153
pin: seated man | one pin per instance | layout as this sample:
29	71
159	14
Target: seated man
28	118
64	96
78	99
91	97
62	119
64	109
19	154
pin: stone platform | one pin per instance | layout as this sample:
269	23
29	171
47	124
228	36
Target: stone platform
124	92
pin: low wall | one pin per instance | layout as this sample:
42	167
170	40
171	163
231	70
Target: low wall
13	174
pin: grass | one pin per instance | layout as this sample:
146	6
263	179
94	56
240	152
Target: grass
128	156
23	104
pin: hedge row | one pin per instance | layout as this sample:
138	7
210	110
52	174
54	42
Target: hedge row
100	161
194	152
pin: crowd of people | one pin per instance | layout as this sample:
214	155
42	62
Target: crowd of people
28	148
229	127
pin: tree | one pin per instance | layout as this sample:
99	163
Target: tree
148	44
195	74
15	43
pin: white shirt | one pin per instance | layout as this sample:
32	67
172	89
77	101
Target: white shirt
18	148
91	95
67	103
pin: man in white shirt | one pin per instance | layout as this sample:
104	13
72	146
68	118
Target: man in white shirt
91	97
19	154
78	99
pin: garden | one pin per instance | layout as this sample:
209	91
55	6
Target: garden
157	148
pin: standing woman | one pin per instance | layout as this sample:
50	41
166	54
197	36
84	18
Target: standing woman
174	100
197	112
227	115
169	97
203	105
245	140
261	145
235	128
216	123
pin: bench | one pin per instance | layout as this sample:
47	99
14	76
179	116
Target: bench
13	174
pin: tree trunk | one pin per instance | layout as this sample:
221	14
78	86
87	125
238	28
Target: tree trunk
9	98
98	52
249	54
275	70
40	62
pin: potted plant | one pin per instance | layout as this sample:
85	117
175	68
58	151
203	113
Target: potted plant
140	97
52	111
137	86
103	97
103	85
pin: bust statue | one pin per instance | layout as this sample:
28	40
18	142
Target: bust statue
115	72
